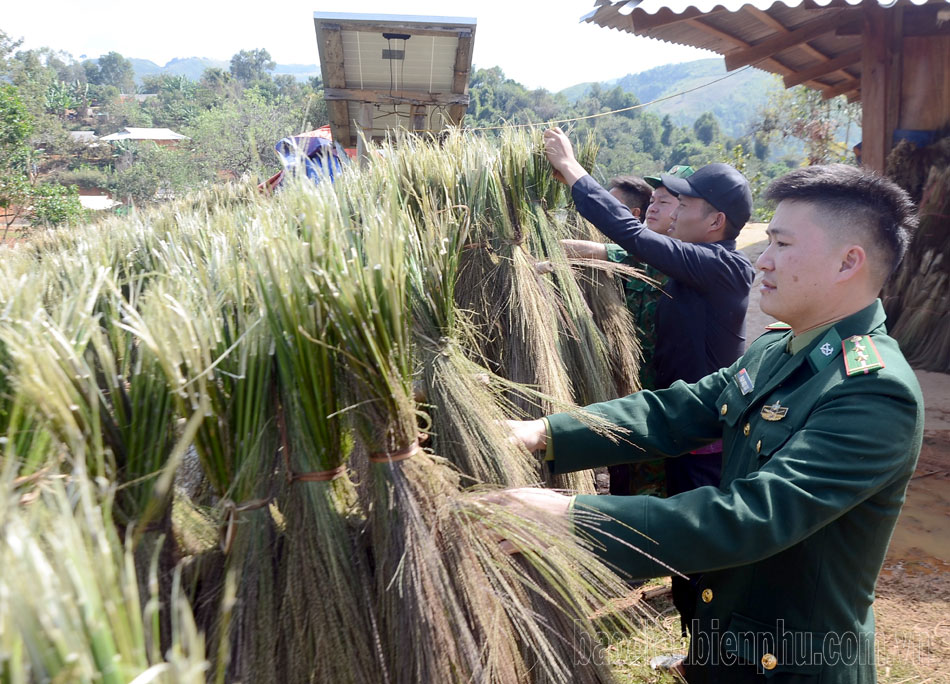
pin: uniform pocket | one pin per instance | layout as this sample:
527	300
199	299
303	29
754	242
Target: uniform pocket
731	404
773	649
769	438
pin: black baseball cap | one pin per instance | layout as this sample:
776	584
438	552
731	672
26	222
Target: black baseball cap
719	184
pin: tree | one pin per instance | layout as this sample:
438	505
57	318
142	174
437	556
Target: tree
158	173
650	134
55	205
60	98
706	128
239	136
666	138
7	47
176	105
112	69
16	126
32	78
803	114
616	98
249	66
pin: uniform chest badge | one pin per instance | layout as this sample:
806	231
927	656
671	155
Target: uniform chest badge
827	349
774	412
744	381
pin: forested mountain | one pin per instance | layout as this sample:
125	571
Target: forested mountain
735	103
194	67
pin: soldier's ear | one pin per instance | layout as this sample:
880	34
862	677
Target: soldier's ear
853	260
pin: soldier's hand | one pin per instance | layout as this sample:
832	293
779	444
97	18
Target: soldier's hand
558	150
585	249
531	433
546	510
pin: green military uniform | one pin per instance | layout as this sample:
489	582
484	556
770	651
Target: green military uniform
819	444
646	477
641	298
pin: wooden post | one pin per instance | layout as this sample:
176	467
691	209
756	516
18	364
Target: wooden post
880	82
366	130
418	117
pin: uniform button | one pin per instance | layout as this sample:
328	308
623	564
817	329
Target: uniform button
769	661
724	409
747	429
758	446
707	595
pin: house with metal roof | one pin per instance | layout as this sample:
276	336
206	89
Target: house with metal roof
892	56
161	136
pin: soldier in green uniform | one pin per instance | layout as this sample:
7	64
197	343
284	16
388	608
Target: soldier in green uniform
821	425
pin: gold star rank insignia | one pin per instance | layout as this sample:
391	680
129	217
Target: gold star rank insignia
860	355
774	412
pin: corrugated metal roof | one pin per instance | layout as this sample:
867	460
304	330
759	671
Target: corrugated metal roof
130	133
797	39
97	202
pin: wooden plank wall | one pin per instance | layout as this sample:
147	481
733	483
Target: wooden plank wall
925	91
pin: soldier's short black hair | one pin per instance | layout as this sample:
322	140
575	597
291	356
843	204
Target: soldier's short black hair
636	192
855	199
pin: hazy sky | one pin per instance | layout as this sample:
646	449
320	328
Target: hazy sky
539	43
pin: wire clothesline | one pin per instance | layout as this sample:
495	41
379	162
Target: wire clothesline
613	111
641	105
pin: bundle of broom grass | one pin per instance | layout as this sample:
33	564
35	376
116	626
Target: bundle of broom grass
440	578
285	340
917	297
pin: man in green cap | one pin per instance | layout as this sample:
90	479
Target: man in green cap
821	422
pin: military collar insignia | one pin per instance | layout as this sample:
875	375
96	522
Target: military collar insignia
860	355
774	412
824	350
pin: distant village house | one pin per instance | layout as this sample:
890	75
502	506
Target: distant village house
160	136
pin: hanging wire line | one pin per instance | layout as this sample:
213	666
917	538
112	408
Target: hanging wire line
614	111
552	122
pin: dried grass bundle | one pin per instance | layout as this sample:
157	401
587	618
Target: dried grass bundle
917	297
70	605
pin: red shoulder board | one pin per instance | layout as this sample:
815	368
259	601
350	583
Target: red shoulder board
778	325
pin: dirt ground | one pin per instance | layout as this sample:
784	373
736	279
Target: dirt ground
913	594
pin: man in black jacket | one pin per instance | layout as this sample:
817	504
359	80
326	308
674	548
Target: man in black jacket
700	327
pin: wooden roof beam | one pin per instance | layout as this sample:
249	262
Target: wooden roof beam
841	89
410	97
463	66
765	18
770	64
827	67
331	62
412	30
780	28
772	46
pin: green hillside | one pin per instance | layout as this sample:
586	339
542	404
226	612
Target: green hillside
734	101
193	67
